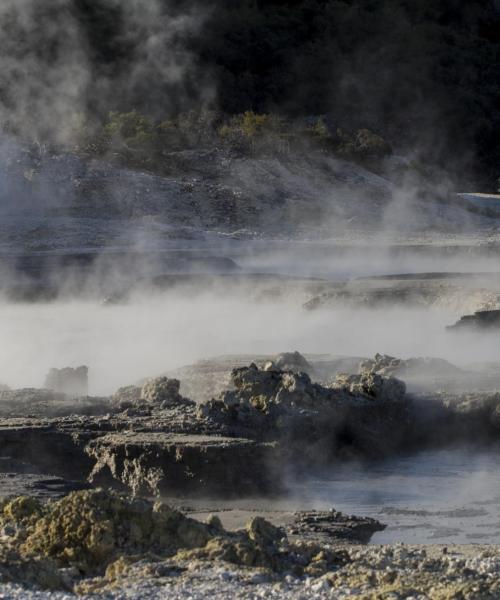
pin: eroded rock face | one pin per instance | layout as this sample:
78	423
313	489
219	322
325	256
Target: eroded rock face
154	441
127	396
157	463
261	396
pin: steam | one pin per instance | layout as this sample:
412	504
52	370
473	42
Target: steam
44	68
152	335
49	80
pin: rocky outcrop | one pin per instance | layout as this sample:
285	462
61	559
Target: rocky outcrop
362	413
271	424
154	463
479	321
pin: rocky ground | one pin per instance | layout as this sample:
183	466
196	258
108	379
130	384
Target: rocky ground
287	411
65	202
77	472
105	544
152	440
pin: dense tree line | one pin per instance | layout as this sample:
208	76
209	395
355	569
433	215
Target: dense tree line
422	73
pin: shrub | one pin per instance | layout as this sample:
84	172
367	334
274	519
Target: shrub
132	129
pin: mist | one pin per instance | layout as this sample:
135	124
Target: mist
54	81
181	182
151	335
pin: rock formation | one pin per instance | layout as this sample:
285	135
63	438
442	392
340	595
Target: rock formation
72	382
479	321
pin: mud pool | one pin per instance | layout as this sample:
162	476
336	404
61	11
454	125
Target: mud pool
434	497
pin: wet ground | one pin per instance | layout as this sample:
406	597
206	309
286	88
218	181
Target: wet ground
444	496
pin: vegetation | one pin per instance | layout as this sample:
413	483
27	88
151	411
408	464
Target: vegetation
136	140
421	74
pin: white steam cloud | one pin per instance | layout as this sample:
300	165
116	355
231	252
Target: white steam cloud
47	73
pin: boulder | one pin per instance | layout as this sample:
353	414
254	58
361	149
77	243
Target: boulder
163	392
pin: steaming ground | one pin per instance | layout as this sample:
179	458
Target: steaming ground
433	497
125	343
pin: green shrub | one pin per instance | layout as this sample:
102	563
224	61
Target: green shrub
319	131
131	129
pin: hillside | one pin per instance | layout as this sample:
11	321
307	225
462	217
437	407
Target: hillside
422	75
61	201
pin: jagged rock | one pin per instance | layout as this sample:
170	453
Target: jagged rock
371	385
262	395
163	392
289	361
274	393
72	382
367	413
